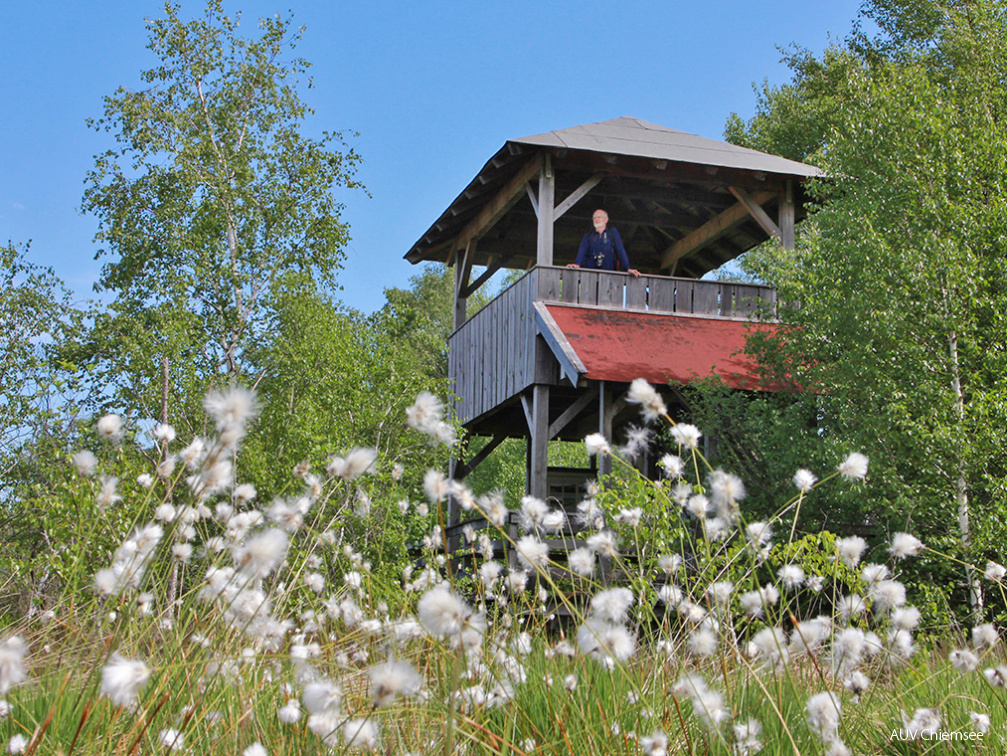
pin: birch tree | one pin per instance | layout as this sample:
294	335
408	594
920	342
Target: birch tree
212	191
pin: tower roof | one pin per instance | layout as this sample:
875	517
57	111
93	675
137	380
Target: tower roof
638	138
683	203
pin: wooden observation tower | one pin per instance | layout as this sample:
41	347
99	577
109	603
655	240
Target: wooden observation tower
552	356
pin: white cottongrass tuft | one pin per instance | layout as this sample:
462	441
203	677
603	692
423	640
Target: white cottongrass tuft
231	409
361	733
874	573
612	604
110	428
532	513
995	571
358	462
444	614
854	467
804	480
630	517
172	739
670	563
532	553
435	485
606	641
851	606
655	744
851	549
707	703
163	432
703	642
791	576
726	490
85	463
17	744
686	435
122	678
924	724
906	617
964	660
980	722
12	672
746	737
290	712
260	554
582	561
824	711
673	466
392	679
997	677
596	444
651	404
426	416
604	543
256	749
888	594
770	646
905	545
984	636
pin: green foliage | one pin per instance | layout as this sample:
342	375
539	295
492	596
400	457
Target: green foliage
35	313
900	276
211	194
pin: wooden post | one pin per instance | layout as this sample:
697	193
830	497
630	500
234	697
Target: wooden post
604	427
787	216
463	269
546	208
539	457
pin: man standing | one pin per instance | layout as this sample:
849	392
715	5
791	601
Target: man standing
601	248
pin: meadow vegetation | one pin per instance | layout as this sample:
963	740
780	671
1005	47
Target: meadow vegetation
223	623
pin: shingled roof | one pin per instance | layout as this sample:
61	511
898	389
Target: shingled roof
638	138
677	198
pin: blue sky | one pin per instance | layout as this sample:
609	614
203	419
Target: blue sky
434	89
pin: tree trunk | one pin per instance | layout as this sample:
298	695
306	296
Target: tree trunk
961	482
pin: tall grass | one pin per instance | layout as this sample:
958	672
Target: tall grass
226	626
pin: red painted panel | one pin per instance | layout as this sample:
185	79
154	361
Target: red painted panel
619	345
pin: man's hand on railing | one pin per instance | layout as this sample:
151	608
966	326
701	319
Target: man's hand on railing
572	265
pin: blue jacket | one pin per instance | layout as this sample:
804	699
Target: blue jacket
604	248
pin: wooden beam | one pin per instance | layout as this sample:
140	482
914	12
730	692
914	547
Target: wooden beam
464	469
712	229
571	412
486	274
546	203
531	196
577	194
462	272
756	211
787	217
497	207
528	417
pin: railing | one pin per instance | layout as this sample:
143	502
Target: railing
658	294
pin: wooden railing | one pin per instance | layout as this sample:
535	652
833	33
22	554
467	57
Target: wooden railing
658	294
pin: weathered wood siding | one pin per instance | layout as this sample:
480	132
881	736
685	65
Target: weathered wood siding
492	357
